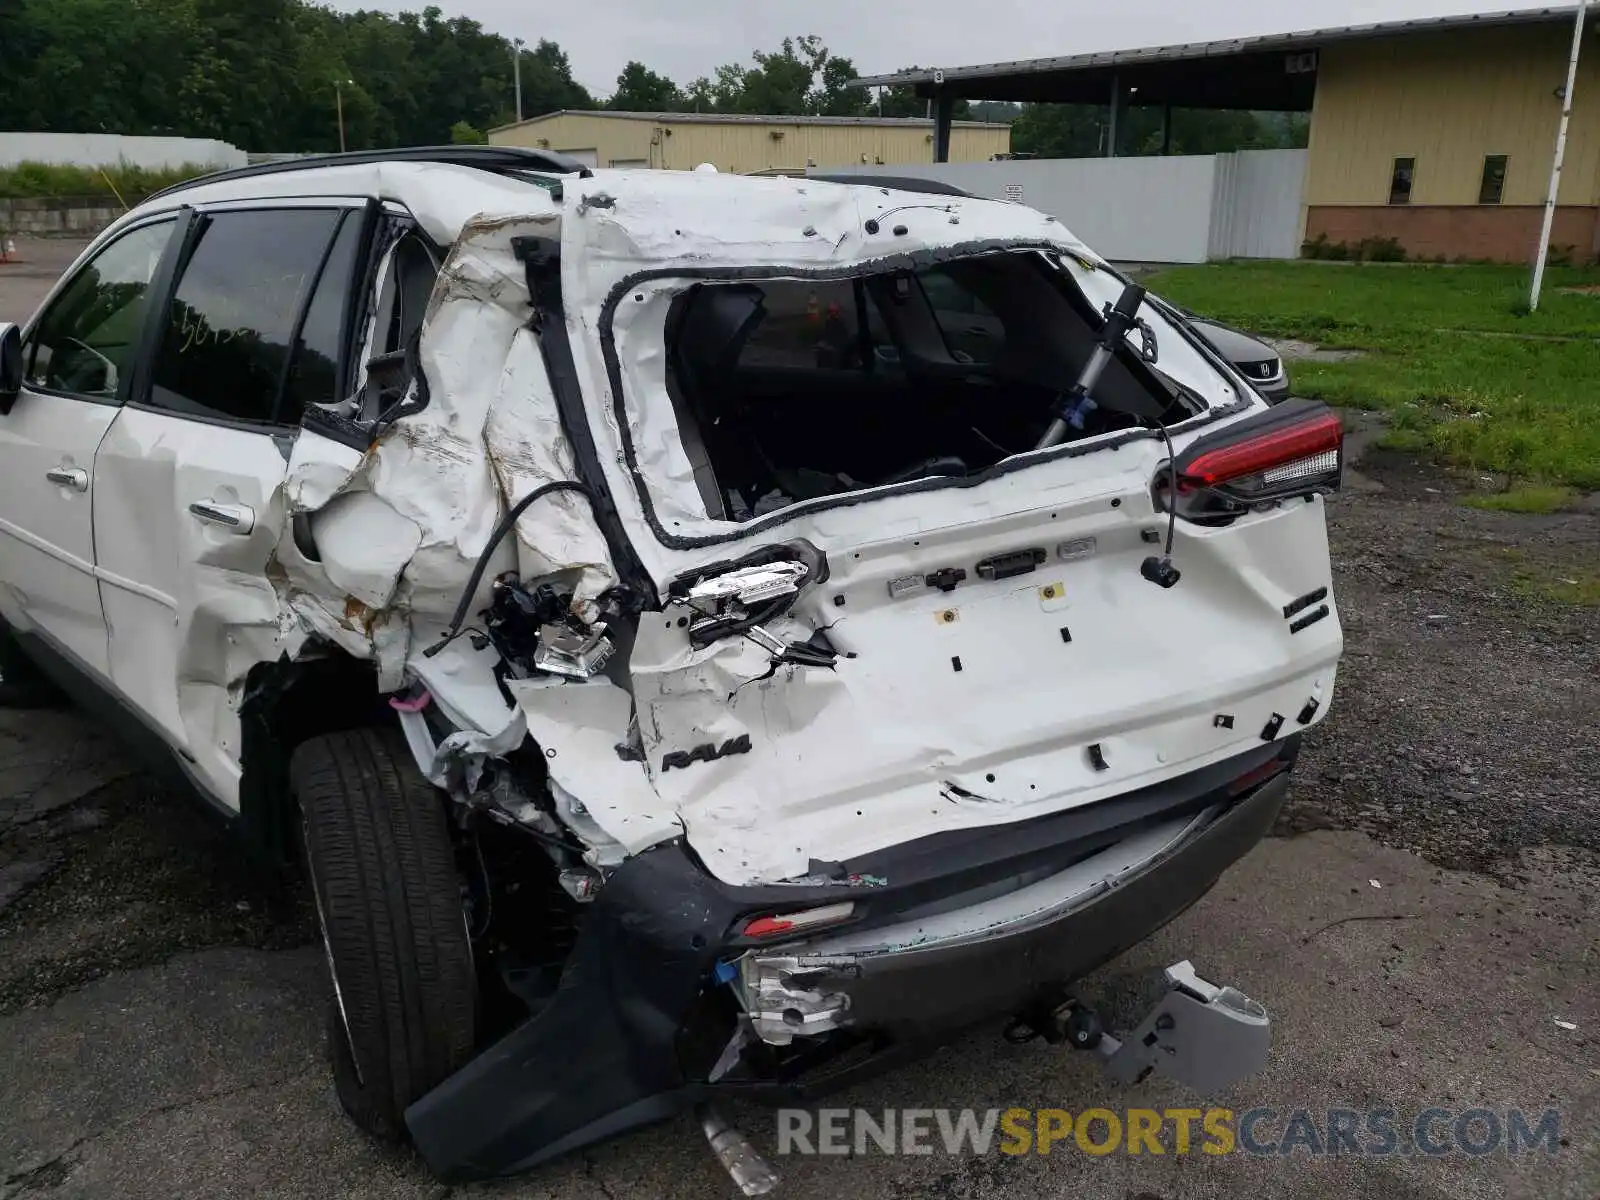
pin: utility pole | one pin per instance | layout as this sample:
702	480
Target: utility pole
338	100
1561	153
516	70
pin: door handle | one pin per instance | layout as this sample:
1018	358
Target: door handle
75	478
235	518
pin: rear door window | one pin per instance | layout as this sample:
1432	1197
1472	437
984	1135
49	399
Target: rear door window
321	349
233	321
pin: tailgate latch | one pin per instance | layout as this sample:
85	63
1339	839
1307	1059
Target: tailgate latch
1006	566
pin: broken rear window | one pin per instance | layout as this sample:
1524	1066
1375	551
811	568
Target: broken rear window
790	389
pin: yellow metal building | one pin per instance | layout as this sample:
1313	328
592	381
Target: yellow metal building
747	144
1436	132
1443	141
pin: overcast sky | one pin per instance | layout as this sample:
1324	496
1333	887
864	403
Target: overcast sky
689	38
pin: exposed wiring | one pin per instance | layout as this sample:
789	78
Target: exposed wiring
504	527
984	437
1172	486
1160	571
910	207
462	632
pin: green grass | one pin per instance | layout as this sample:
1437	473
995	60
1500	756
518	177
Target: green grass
31	179
1579	590
1532	499
1436	355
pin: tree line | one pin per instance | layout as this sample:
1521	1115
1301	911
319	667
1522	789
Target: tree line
272	75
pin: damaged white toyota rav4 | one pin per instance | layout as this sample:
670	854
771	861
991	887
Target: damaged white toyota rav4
705	635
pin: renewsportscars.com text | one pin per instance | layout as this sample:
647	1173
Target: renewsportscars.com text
1180	1131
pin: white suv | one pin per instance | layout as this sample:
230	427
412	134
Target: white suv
704	634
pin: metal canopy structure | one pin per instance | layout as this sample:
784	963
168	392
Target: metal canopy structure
1270	72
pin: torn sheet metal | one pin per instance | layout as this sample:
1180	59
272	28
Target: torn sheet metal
527	448
580	726
458	760
364	545
489	435
927	724
319	469
401	527
763	227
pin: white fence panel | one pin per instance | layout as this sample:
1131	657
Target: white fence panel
1258	203
106	149
1176	209
1130	209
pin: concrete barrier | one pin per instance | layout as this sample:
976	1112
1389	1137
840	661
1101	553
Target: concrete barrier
58	216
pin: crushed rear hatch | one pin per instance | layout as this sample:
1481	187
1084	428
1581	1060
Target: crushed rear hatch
971	641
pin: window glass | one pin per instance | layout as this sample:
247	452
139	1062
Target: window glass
971	331
1400	180
885	354
413	273
1493	185
86	340
314	372
227	337
806	325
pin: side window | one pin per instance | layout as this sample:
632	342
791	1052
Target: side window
319	350
885	354
1492	187
1401	177
413	272
85	341
971	330
225	349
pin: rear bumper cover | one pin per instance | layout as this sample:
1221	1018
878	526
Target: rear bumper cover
606	1054
926	984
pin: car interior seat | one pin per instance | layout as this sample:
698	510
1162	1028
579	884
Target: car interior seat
711	332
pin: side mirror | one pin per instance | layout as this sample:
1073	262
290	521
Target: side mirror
10	366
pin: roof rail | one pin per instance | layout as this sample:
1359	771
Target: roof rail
898	183
486	158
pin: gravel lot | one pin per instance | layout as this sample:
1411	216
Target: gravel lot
159	1036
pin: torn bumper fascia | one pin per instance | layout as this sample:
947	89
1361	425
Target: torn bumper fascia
606	1055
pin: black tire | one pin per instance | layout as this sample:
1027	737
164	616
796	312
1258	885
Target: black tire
402	1005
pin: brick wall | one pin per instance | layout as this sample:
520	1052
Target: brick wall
1500	233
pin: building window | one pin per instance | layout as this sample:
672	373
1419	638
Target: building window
1400	180
1494	179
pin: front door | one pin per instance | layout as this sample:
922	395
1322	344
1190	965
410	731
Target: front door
77	362
190	506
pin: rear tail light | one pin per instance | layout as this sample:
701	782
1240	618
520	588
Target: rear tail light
796	924
1293	450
